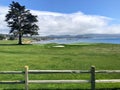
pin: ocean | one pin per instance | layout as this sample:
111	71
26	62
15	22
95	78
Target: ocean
80	40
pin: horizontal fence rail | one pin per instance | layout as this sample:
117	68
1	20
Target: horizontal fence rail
12	72
58	81
57	71
108	81
107	71
12	82
92	79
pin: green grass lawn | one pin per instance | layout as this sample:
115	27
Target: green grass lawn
71	57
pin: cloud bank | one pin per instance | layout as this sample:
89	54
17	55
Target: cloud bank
52	23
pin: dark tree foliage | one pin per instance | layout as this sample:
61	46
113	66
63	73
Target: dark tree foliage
21	21
2	37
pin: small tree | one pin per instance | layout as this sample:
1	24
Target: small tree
2	37
11	37
21	21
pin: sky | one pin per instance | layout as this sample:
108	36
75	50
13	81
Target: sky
70	17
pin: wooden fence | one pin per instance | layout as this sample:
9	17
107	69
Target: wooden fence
92	79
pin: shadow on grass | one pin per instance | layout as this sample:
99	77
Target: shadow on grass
68	89
14	44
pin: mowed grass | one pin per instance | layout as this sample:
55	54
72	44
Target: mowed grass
71	57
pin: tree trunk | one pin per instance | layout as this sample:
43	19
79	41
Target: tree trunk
20	39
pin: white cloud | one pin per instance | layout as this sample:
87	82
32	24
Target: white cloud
52	23
3	25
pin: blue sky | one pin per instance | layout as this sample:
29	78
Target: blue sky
107	12
110	8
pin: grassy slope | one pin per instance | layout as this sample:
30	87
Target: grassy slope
80	57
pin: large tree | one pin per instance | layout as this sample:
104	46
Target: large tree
21	21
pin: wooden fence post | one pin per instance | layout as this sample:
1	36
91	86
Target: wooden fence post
92	78
26	77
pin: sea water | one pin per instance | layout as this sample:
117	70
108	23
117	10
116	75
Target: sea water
81	40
